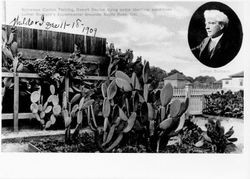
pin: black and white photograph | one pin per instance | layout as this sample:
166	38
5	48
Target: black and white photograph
223	34
149	84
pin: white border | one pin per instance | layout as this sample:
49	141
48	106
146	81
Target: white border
200	166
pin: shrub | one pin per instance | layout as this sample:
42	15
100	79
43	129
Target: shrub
216	135
226	104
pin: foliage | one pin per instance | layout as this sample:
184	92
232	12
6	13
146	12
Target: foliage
79	104
157	75
136	116
11	63
10	56
199	79
173	72
135	113
10	53
226	104
205	79
190	133
124	62
190	79
54	69
217	136
192	139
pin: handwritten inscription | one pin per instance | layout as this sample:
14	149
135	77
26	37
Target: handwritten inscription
76	24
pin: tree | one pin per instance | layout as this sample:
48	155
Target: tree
205	79
173	72
190	79
157	74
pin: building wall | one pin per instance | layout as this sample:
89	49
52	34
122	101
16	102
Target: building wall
181	84
233	84
172	82
176	83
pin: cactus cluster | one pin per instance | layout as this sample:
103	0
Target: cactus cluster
10	56
75	108
170	112
117	122
9	49
45	112
130	104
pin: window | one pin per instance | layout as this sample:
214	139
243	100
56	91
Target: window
241	82
226	82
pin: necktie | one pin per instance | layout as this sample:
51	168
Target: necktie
211	45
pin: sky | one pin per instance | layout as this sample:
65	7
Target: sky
158	36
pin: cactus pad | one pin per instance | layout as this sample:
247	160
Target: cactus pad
166	94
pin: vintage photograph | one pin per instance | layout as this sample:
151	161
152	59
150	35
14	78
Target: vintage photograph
124	89
119	77
222	31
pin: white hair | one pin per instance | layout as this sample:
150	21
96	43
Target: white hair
217	15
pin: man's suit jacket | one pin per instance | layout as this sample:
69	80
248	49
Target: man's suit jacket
222	54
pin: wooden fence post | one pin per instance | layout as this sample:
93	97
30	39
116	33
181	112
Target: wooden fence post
188	89
16	101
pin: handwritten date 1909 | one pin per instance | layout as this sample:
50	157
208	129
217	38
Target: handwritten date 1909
77	24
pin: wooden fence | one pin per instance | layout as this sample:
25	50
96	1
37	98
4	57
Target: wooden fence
196	102
16	115
28	38
34	43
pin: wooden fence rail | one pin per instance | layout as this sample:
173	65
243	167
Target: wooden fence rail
35	43
28	38
16	115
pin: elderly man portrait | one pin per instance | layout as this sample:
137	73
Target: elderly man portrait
217	49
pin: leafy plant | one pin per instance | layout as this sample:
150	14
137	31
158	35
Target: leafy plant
54	69
189	138
217	136
226	104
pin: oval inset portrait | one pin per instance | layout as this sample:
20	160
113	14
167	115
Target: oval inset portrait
215	34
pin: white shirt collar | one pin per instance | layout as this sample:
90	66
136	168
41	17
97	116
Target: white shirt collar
216	39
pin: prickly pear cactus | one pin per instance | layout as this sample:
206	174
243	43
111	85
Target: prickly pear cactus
130	106
10	50
79	104
45	112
